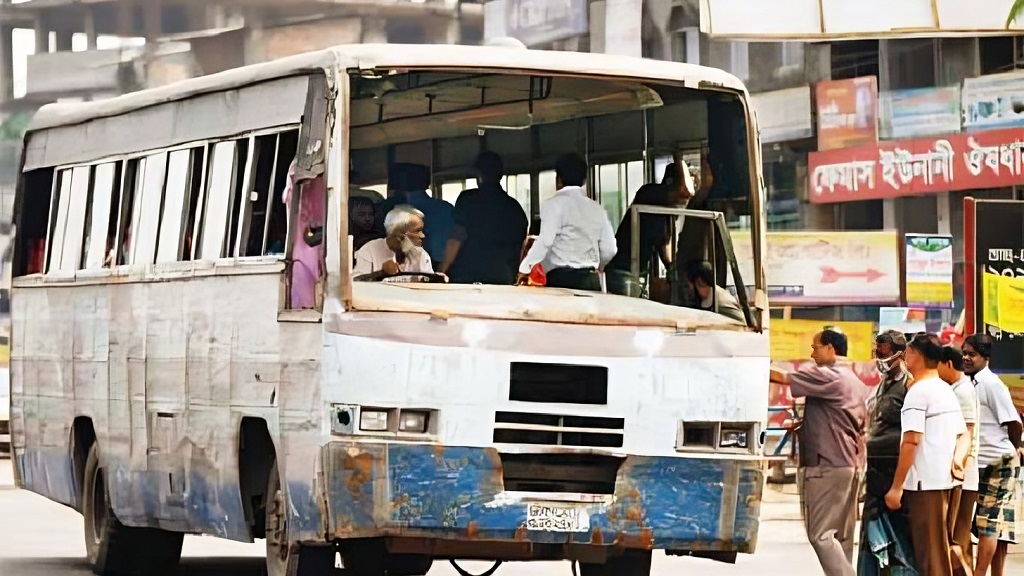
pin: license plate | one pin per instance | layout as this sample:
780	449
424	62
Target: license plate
550	517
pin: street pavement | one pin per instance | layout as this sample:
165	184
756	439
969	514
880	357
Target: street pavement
41	538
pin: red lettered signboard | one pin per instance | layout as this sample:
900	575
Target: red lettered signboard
991	159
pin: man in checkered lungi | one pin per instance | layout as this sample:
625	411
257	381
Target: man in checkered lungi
997	458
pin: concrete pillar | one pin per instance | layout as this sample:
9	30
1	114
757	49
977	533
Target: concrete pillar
126	19
375	31
942	210
90	27
6	63
42	37
152	16
64	39
889	216
453	30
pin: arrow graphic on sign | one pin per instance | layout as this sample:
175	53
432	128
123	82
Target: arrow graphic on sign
830	275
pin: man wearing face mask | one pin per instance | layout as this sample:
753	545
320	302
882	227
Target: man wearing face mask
884	430
400	252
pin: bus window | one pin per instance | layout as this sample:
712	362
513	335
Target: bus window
148	199
264	225
58	220
126	214
33	220
69	229
98	220
198	179
172	223
218	199
547	186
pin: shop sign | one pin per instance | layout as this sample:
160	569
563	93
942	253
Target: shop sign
994	282
847	112
995	101
534	22
784	115
806	268
991	159
929	271
905	320
919	112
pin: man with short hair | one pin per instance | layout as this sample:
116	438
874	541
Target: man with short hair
576	239
360	221
400	252
883	438
831	449
490	226
999	435
701	277
933	434
951	371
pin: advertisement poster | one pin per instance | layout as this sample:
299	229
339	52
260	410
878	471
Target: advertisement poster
847	112
919	112
994	282
535	22
993	101
791	339
929	271
906	320
807	268
991	159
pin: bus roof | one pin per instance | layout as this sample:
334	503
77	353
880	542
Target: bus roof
391	56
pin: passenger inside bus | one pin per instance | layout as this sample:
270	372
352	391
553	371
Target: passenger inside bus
674	191
700	276
490	226
400	252
408	184
360	221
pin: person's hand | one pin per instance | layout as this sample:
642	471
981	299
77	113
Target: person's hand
894	497
522	279
390	268
778	376
958	471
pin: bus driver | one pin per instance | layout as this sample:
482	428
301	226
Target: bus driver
400	252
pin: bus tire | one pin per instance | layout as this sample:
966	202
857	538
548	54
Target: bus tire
632	563
114	549
276	523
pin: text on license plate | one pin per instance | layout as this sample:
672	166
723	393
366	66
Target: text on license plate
550	517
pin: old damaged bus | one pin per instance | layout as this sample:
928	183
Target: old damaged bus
181	366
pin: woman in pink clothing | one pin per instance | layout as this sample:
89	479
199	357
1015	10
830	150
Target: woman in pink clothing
307	251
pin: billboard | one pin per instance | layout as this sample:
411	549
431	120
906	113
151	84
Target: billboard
929	270
535	22
991	159
994	278
847	112
995	101
784	115
919	112
808	268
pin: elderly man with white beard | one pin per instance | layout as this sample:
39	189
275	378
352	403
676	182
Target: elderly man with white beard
400	252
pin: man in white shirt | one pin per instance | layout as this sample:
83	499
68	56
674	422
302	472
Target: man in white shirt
951	370
1000	434
934	436
400	252
576	239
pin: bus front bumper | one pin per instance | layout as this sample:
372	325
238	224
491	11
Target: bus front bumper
437	495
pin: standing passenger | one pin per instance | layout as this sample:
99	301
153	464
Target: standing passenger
831	449
408	184
1000	434
951	370
490	227
576	239
932	429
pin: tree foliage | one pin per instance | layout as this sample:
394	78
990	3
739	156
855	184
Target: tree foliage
1015	11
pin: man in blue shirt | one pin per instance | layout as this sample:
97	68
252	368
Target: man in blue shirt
407	184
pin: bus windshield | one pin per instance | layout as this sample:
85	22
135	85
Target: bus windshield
440	139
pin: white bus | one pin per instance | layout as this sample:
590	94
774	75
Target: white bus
170	376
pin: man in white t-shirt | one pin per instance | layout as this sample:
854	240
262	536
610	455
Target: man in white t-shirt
933	433
1000	434
951	370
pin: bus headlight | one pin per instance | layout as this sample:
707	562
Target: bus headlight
733	439
414	421
373	420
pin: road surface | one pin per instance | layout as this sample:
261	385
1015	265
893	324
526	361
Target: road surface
41	538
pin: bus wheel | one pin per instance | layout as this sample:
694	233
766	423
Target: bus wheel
632	563
277	525
112	547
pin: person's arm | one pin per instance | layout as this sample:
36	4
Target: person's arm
451	250
1005	411
962	452
908	451
814	382
550	224
606	246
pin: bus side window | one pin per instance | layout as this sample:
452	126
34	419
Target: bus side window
177	198
98	241
35	203
147	207
68	226
127	211
264	222
221	184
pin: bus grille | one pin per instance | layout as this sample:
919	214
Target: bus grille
557	430
560	473
558	383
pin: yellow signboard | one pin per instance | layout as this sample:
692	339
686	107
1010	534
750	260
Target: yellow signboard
791	339
1003	301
